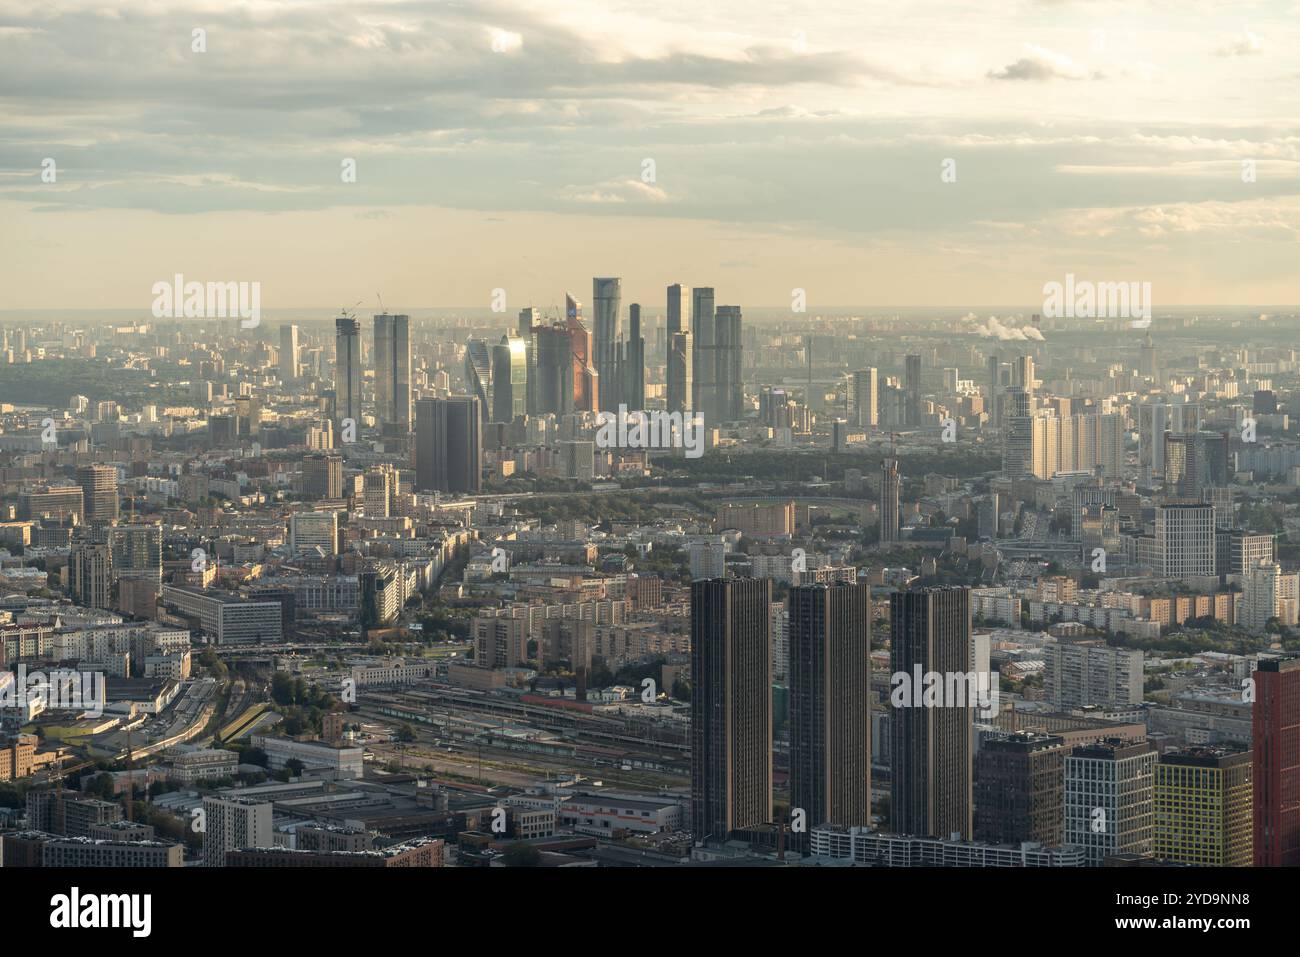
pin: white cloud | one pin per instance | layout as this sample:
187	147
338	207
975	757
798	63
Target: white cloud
614	191
1241	44
504	41
1040	63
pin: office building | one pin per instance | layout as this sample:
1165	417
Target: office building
889	504
314	530
225	619
1019	789
449	445
90	574
633	365
99	493
606	296
529	320
223	431
137	552
1275	737
704	358
680	358
1239	551
232	824
1147	362
731	706
862	398
829	649
69	813
1155	419
393	372
566	378
1024	377
678	317
478	374
347	371
931	787
322	476
912	390
1184	541
288	353
1109	799
1028	442
679	371
58	502
993	390
1195	462
509	379
379	491
729	396
1203	808
578	460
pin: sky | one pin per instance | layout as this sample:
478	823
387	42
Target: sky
758	147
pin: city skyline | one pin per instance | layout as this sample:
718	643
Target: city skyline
651	445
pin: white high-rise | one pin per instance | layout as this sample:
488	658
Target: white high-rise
230	824
1267	593
1184	541
1109	799
314	529
708	559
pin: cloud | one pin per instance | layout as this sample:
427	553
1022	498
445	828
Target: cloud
1241	44
504	41
614	191
1040	64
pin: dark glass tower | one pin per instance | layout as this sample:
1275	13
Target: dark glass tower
347	371
1020	790
393	372
731	705
930	794
830	705
449	445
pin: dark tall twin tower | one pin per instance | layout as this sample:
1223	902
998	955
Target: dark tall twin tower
731	706
830	709
392	359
